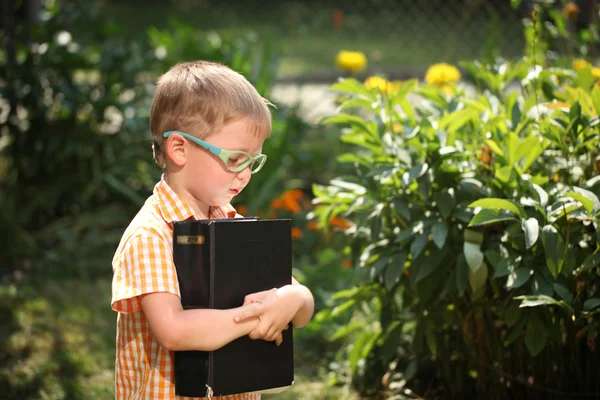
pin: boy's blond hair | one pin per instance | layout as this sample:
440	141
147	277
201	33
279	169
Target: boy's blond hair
199	98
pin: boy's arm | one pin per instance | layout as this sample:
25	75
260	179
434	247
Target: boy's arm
198	329
307	304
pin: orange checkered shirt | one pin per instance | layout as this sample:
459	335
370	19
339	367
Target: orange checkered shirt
143	263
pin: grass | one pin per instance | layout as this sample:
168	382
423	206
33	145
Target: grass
58	342
407	38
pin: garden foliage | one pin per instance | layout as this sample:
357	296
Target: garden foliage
475	234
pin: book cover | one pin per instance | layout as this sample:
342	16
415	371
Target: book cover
218	263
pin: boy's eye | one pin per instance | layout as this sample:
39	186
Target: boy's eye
236	160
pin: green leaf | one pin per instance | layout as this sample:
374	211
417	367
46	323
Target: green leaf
347	119
357	102
512	146
541	286
590	304
494	147
393	272
378	266
532	231
541	193
439	231
516	331
564	293
591	196
430	337
478	277
596	98
361	347
418	245
534	149
505	267
515	4
402	208
518	278
587	203
462	274
415	172
553	249
444	202
428	263
534	301
535	337
351	86
473	255
490	216
499	204
504	174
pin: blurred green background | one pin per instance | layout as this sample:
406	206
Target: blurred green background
76	81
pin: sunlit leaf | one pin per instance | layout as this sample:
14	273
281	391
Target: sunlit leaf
518	278
499	204
473	255
478	277
532	231
490	216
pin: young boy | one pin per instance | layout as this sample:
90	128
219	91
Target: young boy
208	125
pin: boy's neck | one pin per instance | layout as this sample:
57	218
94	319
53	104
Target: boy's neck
201	211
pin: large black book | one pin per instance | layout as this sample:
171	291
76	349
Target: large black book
218	263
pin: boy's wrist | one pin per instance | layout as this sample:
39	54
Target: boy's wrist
294	293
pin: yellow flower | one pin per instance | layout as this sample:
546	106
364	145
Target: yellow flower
596	72
442	74
580	63
351	61
570	10
557	105
377	82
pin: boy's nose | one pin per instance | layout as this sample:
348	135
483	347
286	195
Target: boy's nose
244	175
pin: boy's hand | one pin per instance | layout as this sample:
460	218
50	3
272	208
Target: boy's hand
277	308
258	296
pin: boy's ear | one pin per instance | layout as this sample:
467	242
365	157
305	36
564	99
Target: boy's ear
175	149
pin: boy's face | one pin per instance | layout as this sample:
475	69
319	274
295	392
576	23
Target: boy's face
207	181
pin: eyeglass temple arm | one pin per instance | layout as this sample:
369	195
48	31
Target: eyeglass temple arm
212	148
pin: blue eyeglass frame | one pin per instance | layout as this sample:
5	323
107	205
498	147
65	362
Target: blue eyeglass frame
224	155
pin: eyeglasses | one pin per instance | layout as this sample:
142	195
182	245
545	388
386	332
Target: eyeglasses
234	160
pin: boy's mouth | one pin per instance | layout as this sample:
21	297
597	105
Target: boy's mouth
234	191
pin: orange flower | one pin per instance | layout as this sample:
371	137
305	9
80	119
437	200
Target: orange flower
289	200
486	155
312	226
277	204
340	222
347	263
296	233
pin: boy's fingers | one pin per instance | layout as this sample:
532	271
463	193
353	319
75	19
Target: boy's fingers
279	339
249	311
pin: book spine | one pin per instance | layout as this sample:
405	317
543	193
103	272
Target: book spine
211	291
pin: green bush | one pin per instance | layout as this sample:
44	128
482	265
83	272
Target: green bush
475	234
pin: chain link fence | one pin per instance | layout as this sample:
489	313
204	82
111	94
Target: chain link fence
399	37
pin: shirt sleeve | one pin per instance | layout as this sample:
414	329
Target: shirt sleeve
144	266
